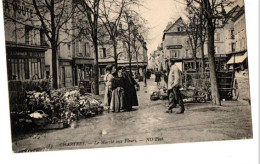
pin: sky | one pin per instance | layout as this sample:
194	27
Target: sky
158	13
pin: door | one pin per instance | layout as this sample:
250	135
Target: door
68	82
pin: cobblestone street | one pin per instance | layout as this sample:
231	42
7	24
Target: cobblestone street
149	124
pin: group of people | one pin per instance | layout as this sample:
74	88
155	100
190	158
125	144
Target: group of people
120	90
158	76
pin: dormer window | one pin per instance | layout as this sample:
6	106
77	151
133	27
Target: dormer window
179	29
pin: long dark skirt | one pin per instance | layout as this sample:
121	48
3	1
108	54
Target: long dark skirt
131	98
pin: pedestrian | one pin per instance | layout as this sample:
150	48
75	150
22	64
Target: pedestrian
118	101
174	84
129	90
107	80
157	77
165	78
144	76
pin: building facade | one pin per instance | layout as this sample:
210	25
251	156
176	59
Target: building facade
25	42
239	56
175	41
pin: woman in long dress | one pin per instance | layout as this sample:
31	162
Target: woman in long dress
118	101
129	90
108	93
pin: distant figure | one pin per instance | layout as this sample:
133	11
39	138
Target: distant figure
129	90
107	95
174	84
144	76
157	77
165	78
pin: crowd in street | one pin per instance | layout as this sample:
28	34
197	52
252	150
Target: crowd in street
120	88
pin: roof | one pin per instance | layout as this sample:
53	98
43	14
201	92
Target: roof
169	27
166	31
239	14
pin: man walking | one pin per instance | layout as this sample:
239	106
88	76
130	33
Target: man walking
174	84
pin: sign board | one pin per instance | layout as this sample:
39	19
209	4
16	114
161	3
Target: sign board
174	47
18	10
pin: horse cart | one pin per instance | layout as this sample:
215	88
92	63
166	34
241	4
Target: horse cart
228	85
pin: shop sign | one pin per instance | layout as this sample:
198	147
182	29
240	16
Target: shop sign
174	47
17	9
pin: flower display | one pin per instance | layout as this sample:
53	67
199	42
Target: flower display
63	105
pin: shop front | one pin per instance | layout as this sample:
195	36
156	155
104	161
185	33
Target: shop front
25	62
83	69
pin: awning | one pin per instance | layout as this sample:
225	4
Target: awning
238	58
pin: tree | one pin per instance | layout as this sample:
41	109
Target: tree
90	10
196	29
213	12
53	15
138	43
192	30
111	12
133	23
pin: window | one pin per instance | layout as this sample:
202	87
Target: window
42	38
232	34
87	50
233	47
217	36
178	41
68	46
29	35
179	29
80	48
103	52
25	68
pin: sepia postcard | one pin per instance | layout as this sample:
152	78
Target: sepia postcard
110	73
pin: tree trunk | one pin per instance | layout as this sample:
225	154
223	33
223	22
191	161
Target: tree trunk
137	64
95	70
202	56
130	58
54	67
130	65
212	66
115	53
201	38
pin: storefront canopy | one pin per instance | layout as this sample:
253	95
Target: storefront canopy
238	58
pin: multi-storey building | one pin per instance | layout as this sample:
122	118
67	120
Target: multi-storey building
229	31
239	55
138	56
175	41
25	42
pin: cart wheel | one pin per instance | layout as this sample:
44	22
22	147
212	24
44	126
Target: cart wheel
201	98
